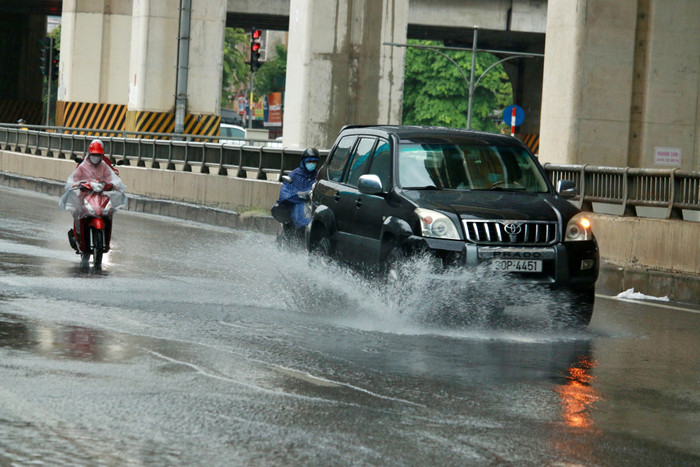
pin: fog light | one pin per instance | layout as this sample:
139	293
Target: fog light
587	264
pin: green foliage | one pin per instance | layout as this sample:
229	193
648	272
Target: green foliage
235	71
436	93
56	34
271	76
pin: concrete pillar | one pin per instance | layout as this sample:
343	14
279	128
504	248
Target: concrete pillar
153	66
93	77
666	91
338	71
587	84
119	63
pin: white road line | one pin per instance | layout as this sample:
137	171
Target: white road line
651	303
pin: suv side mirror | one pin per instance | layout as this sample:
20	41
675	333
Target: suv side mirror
370	184
567	189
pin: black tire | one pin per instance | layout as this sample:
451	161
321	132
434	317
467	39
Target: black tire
582	307
97	247
393	263
321	247
577	308
324	245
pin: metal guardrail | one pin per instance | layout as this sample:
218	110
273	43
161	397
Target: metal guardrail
673	190
244	158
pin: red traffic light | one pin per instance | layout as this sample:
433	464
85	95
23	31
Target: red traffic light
255	34
255	46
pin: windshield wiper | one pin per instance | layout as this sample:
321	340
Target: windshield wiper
500	188
426	187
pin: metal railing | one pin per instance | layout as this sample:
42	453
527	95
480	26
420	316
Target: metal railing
671	190
244	158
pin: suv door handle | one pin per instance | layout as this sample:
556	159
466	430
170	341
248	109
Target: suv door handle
336	196
358	202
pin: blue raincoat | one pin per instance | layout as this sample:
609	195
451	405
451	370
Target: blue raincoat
302	180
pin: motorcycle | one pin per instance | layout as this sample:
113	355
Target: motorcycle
93	203
282	213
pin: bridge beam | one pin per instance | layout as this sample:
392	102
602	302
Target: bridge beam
342	75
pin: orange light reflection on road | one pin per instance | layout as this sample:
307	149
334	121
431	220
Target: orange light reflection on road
578	395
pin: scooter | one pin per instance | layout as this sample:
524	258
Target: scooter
282	213
93	203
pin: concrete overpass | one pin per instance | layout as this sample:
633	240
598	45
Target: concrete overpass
129	37
620	84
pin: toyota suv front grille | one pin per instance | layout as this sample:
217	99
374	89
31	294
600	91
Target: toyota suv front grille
489	232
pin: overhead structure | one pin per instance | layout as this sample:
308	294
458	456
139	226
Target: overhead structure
137	59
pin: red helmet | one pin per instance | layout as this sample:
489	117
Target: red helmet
96	147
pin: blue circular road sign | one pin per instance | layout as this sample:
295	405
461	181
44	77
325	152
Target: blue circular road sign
519	115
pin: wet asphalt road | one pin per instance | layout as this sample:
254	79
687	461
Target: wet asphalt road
205	346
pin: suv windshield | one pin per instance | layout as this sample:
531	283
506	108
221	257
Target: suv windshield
467	166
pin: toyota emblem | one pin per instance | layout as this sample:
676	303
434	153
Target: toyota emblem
512	229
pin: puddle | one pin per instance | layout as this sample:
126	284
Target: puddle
54	340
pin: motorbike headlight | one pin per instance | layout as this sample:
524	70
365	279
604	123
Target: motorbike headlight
578	228
88	207
436	225
97	187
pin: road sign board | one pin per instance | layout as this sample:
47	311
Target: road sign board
508	115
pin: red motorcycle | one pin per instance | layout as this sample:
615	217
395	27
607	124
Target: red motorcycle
93	203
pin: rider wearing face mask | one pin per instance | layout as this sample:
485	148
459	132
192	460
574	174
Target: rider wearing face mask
303	178
94	168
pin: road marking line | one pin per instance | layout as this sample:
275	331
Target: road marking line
652	303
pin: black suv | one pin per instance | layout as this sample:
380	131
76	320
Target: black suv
468	198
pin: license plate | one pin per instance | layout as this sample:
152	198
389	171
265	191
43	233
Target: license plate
517	265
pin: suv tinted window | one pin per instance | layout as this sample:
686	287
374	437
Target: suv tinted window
340	157
361	160
381	163
455	165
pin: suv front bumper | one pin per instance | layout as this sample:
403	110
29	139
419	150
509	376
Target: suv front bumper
573	265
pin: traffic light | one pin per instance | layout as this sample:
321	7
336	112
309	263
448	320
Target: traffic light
54	65
254	49
44	64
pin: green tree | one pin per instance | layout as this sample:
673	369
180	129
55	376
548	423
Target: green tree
235	71
435	92
271	76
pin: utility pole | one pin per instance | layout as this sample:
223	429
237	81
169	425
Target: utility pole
471	84
48	80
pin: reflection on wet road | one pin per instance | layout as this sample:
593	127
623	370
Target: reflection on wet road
199	345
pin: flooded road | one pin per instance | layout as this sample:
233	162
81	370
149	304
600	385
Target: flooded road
208	346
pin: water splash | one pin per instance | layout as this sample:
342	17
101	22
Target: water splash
474	303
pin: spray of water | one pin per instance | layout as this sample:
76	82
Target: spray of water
414	299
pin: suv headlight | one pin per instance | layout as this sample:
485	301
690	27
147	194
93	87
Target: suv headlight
436	225
578	228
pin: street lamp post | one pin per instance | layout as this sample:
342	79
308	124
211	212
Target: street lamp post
470	82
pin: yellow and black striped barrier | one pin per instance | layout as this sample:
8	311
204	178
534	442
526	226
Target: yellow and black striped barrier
532	141
90	115
116	117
